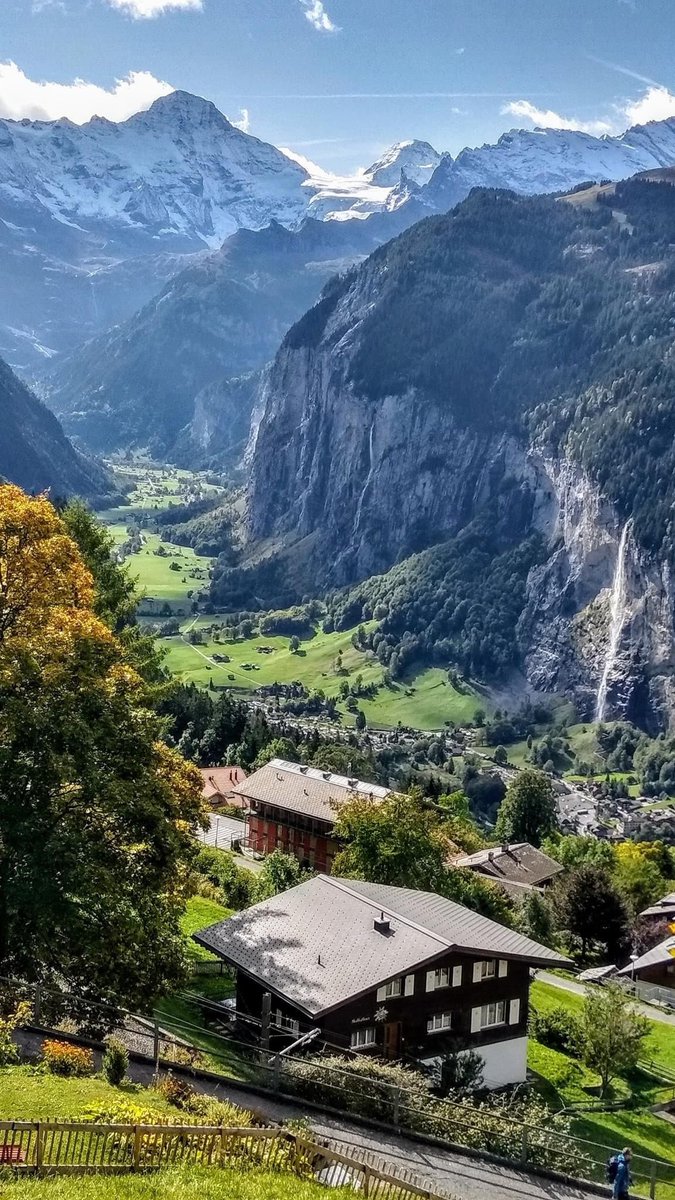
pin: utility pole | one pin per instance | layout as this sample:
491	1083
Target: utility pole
266	1020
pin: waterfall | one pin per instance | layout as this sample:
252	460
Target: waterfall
617	604
369	476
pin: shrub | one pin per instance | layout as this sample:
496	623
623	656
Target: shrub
175	1091
115	1061
558	1029
60	1058
19	1015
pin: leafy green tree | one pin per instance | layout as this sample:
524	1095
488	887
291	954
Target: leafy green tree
574	850
638	876
97	814
500	755
536	919
613	1033
279	873
345	760
593	911
280	747
528	810
402	842
294	644
360	720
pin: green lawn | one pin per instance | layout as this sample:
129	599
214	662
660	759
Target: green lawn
198	914
26	1095
564	1081
425	700
197	1183
153	487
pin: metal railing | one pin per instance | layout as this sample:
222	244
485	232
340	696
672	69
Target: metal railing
81	1148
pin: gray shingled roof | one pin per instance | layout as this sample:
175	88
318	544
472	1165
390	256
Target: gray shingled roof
316	944
305	790
653	958
517	863
665	907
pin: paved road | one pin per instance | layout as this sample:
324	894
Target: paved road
453	1174
570	985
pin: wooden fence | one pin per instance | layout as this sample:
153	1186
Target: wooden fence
87	1148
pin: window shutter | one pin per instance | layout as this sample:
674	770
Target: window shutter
503	967
475	1020
409	985
457	976
431	975
382	993
514	1012
476	972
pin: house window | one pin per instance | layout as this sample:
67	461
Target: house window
488	968
493	1014
438	979
363	1037
390	990
289	1024
439	1021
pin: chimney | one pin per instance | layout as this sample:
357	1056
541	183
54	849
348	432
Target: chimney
382	925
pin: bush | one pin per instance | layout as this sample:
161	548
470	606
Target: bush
18	1016
60	1058
115	1061
558	1029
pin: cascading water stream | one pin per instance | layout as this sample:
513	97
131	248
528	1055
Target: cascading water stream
617	605
369	476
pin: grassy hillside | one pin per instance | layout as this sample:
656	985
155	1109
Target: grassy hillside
426	699
27	1096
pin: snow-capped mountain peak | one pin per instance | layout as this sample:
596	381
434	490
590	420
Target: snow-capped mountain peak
416	160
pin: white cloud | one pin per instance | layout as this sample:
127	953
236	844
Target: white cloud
244	122
656	104
547	119
318	17
144	10
42	100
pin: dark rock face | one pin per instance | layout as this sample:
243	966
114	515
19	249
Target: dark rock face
34	451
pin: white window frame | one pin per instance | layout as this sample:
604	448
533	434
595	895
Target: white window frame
437	979
288	1024
439	1022
362	1038
488	969
495	1009
391	990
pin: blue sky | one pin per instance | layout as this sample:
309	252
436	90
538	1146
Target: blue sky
338	80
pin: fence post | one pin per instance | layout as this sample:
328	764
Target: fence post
223	1145
39	1147
137	1148
366	1180
524	1147
396	1106
37	1005
155	1047
652	1182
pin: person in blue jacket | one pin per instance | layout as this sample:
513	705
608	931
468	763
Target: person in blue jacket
622	1178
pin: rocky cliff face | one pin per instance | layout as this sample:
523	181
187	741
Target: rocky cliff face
350	478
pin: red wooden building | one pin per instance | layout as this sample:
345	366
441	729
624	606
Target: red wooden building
292	808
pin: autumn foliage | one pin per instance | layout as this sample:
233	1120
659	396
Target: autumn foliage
96	812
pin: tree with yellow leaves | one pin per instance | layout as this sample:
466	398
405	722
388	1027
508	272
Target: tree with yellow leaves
96	813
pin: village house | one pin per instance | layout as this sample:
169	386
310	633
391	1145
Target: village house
518	868
292	807
663	910
385	971
656	967
220	784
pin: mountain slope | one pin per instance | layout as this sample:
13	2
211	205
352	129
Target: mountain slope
500	375
34	451
224	316
532	161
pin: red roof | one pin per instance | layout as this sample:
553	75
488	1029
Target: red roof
219	781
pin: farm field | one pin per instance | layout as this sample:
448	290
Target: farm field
153	573
154	487
427	700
